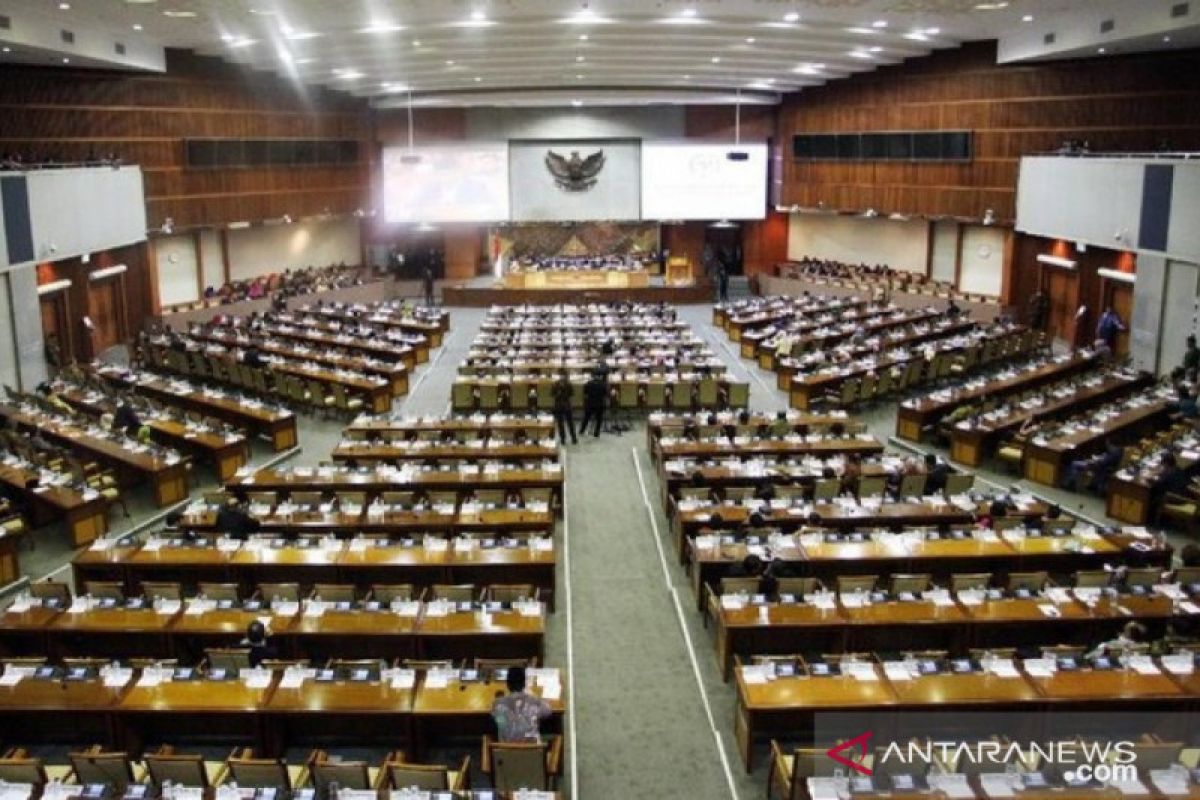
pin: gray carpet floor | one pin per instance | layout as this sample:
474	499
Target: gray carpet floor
651	717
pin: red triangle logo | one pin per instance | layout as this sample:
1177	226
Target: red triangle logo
858	743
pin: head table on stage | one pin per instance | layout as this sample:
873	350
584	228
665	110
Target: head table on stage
599	278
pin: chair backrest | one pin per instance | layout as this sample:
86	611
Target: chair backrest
1030	581
510	592
871	487
1187	575
1092	578
912	486
909	583
826	489
427	777
51	590
963	581
958	482
519	765
284	591
353	775
387	592
107	769
19	768
105	590
1157	755
219	591
797	586
228	658
184	770
738	584
1143	576
335	592
854	583
455	592
260	773
155	590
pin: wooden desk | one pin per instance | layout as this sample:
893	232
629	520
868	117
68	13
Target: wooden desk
384	316
972	440
167	477
537	426
577	279
818	446
279	424
85	513
918	413
359	451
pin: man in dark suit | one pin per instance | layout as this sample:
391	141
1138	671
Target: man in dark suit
595	396
235	522
935	474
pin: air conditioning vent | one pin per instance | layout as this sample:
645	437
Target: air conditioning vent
1108	26
1049	38
1180	10
120	48
5	22
67	36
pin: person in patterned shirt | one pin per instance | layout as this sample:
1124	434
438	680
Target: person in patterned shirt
518	714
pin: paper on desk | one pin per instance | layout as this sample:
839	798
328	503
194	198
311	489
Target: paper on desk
529	609
971	597
437	679
733	602
897	671
1040	667
258	679
1049	610
756	674
1143	665
861	671
996	784
150	678
1190	607
824	788
940	597
543	545
116	678
292	679
286	609
826	601
11	677
404	679
169	607
1133	788
315	609
1170	782
407	608
1179	663
1003	668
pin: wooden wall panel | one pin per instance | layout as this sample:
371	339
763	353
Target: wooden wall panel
71	114
1130	103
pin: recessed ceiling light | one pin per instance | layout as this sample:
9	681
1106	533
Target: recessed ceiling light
917	36
879	23
578	77
791	16
579	58
859	54
769	80
478	16
382	26
449	62
809	69
176	14
716	59
137	27
244	42
1027	18
687	77
416	42
348	74
876	49
304	60
64	6
227	37
478	79
750	40
66	61
577	103
6	50
301	36
1102	50
1166	38
688	12
583	37
933	31
991	6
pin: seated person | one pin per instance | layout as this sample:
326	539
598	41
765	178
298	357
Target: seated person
1101	466
518	714
1132	635
256	639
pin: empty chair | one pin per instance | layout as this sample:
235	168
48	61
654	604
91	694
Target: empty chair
181	769
426	664
371	667
334	592
95	766
1143	577
219	591
351	499
493	664
522	765
105	590
251	772
739	494
910	584
22	661
231	659
789	772
1064	651
398	773
1187	575
307	498
1156	755
856	583
443	499
1092	578
1028	581
405	499
967	581
288	592
739	585
255	498
959	482
84	662
912	486
826	489
51	590
510	592
871	487
797	586
17	766
490	497
536	496
454	592
355	775
155	590
387	592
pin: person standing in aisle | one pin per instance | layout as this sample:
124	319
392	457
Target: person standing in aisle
595	395
563	416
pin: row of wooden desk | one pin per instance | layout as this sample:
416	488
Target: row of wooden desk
826	556
384	315
315	632
262	712
84	510
360	562
833	624
278	424
789	706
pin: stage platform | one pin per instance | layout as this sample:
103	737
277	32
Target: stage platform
478	294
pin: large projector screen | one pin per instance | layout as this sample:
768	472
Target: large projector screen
452	183
700	181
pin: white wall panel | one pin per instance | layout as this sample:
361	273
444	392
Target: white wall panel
263	250
945	250
84	210
1081	199
982	268
175	258
212	265
898	244
1183	236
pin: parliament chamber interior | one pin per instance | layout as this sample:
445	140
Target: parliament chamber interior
527	399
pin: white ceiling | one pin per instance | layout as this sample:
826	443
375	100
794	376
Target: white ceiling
472	52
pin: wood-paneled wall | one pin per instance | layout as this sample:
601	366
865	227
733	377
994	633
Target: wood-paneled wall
70	113
1126	103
